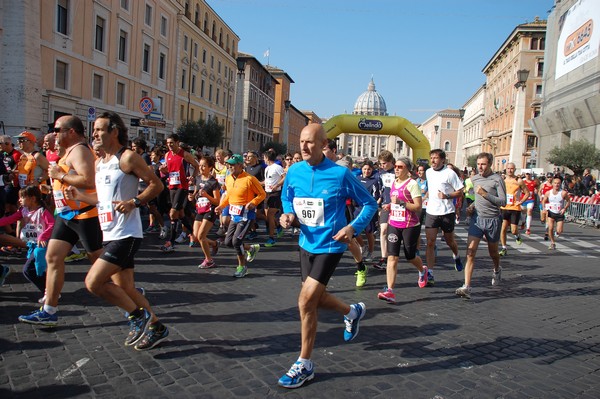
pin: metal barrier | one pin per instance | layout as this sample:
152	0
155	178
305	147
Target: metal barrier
584	211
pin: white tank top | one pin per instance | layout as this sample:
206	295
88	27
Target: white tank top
112	184
555	202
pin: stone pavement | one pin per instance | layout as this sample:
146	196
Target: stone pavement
538	335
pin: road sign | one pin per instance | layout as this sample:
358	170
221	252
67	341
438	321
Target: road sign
503	161
91	116
151	123
146	105
156	116
134	122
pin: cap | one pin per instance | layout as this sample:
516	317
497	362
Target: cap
27	135
549	174
235	159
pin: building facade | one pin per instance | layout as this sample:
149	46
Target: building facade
470	132
441	129
513	90
570	103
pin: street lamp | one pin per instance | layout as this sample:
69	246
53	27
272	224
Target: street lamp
435	138
237	142
286	122
522	75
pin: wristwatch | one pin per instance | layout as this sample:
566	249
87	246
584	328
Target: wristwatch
137	202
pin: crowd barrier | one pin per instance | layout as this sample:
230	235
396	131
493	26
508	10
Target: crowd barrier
584	210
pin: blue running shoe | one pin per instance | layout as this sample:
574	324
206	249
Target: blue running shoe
137	326
5	271
296	376
351	330
430	279
154	336
252	235
41	318
270	242
458	264
279	232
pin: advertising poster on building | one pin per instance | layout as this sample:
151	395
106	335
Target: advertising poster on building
578	39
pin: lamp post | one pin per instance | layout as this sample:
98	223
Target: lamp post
286	123
460	158
237	141
436	140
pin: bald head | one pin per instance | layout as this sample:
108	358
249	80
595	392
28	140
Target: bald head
312	141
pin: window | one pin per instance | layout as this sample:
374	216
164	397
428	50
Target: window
181	112
161	65
123	46
183	75
125	5
159	104
163	26
202	88
185	42
120	100
447	146
531	142
204	56
195	50
210	92
538	90
148	15
540	69
97	86
62	16
193	84
99	44
62	77
448	125
217	97
144	93
212	62
146	58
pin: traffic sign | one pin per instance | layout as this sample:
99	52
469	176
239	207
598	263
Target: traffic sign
146	105
503	161
156	116
151	123
91	116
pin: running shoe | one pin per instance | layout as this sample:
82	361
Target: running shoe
252	235
251	253
423	277
497	276
503	252
73	257
41	318
464	292
351	326
207	264
387	295
381	264
137	326
151	229
552	247
458	266
3	273
164	232
240	271
519	240
168	247
154	335
368	256
430	279
215	250
194	244
361	277
528	231
296	376
10	250
270	242
182	238
279	232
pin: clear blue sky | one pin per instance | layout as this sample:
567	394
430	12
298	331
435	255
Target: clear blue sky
424	55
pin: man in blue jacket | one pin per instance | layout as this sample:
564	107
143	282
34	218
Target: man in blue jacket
314	193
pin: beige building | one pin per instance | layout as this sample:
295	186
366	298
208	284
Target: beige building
441	129
570	104
513	91
86	57
470	131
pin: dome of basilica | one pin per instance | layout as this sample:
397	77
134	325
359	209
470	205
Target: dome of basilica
370	102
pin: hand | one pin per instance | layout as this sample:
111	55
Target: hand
42	244
250	206
480	190
55	172
124	206
218	210
441	195
71	193
345	234
286	220
470	210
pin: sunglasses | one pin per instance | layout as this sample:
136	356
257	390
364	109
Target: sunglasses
398	166
22	140
60	129
288	159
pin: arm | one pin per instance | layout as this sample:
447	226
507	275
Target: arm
132	163
567	200
83	164
43	164
257	189
11	219
192	161
362	197
48	226
525	192
287	199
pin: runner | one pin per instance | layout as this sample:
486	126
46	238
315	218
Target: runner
544	188
516	191
386	177
527	205
274	175
208	196
555	202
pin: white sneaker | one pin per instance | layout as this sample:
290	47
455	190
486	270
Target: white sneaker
163	233
183	237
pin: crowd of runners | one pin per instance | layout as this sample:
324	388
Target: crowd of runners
74	198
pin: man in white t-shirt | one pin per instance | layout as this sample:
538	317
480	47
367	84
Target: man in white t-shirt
444	185
274	176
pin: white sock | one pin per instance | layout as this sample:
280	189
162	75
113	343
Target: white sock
352	314
528	221
308	364
50	309
455	256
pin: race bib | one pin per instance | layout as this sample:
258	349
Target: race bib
553	207
398	213
202	205
388	179
310	211
22	180
106	215
236	210
221	179
174	178
60	203
31	231
425	201
510	199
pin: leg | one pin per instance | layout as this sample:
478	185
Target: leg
99	282
472	245
431	235
449	237
391	271
125	280
55	273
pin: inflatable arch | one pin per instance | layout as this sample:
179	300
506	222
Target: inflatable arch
383	125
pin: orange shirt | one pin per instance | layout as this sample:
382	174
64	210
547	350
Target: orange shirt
243	190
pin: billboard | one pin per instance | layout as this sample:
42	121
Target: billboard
579	39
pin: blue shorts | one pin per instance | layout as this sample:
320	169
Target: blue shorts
490	227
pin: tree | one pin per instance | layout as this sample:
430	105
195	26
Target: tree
472	161
280	148
201	133
577	156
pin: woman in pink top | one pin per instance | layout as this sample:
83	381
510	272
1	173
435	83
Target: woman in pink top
404	228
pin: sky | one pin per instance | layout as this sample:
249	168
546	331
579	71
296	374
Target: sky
423	55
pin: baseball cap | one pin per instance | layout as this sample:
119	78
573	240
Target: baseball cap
28	136
235	159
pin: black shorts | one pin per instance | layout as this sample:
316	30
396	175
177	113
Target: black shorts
85	230
513	216
273	200
210	216
406	239
121	252
445	222
384	216
318	266
556	216
178	198
12	194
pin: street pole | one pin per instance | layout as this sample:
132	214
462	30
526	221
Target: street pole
286	124
237	141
